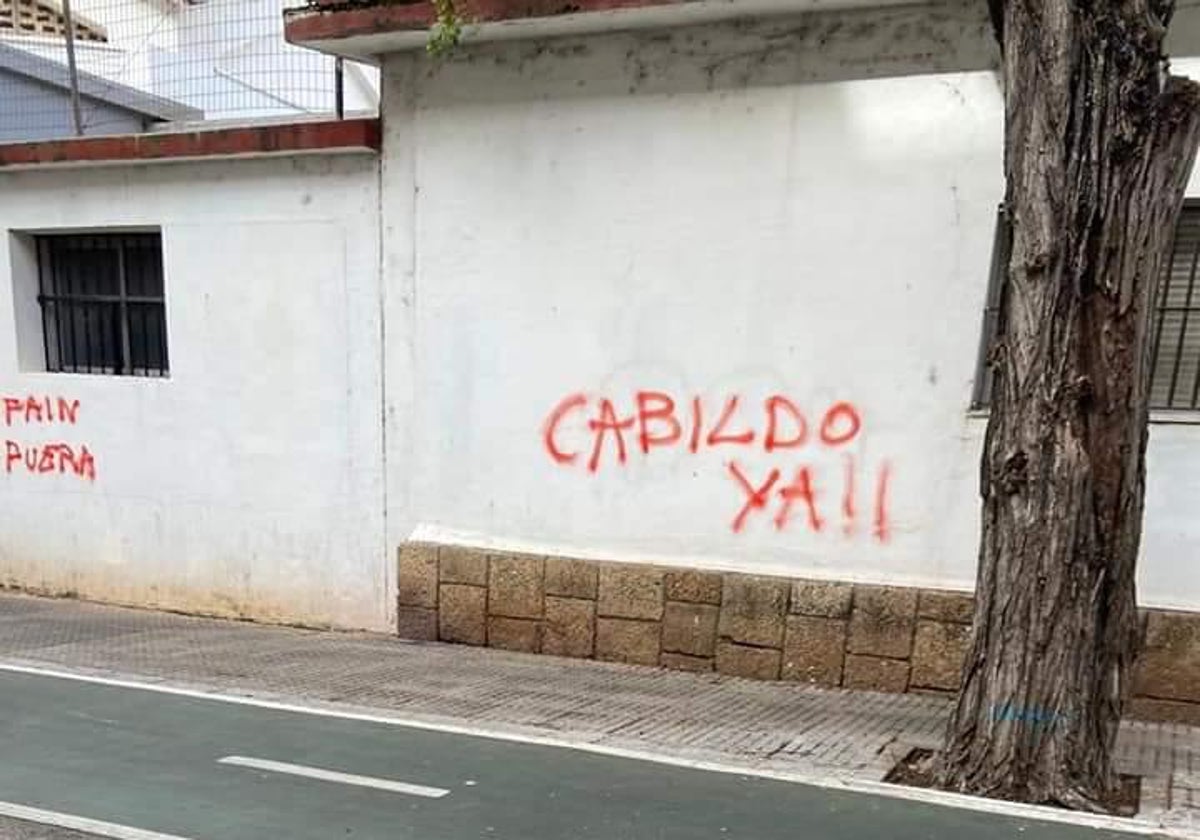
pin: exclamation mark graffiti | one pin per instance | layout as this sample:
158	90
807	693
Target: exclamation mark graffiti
881	502
848	498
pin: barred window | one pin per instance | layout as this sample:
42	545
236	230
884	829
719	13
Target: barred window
101	298
1175	329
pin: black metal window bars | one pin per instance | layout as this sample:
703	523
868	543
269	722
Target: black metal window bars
1175	382
103	309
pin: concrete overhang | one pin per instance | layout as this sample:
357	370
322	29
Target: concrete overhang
366	29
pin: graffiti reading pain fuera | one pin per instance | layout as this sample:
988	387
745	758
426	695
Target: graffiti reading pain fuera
592	434
44	457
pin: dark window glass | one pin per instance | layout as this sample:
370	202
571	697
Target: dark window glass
102	303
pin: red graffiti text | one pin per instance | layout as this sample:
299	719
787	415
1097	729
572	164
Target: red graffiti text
33	409
594	433
656	423
811	498
44	458
61	458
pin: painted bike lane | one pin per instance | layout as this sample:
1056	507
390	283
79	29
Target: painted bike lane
162	763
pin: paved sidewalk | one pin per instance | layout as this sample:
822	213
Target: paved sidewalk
21	830
784	728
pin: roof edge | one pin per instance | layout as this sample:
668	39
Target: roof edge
363	30
329	137
50	72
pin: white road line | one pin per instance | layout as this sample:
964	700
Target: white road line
1041	813
333	776
74	823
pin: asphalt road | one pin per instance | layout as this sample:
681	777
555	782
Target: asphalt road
163	763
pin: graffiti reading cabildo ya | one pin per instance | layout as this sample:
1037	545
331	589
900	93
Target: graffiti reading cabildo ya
50	456
806	494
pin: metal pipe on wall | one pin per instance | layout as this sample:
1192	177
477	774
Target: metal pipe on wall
72	70
339	87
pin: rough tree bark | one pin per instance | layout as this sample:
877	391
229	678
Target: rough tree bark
1099	143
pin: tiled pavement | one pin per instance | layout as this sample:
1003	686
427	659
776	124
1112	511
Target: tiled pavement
22	830
764	726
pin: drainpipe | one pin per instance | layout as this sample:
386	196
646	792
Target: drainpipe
339	87
72	70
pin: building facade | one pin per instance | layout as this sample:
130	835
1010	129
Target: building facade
35	102
216	60
646	334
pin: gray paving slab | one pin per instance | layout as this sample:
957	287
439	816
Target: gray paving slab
705	717
11	829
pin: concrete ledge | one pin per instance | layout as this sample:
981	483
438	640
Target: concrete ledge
364	29
336	136
825	633
348	19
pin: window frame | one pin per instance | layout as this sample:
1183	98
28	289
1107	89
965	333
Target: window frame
1001	246
1160	306
60	305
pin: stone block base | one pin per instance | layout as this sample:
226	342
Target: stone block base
836	634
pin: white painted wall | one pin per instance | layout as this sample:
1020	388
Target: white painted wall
749	210
730	210
249	482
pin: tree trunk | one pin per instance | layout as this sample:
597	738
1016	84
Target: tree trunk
1099	144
